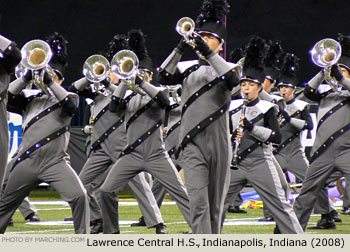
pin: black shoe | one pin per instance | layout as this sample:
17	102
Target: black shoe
336	216
235	209
276	230
267	219
10	223
324	224
68	219
141	223
33	217
96	227
345	211
161	229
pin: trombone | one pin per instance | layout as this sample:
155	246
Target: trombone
36	55
125	65
96	69
326	53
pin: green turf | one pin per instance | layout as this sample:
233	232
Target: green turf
170	213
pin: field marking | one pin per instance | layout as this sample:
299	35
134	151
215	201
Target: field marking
63	203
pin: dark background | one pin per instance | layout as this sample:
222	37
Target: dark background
89	25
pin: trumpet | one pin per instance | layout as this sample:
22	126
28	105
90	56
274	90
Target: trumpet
185	27
240	65
96	69
234	163
36	55
325	53
125	65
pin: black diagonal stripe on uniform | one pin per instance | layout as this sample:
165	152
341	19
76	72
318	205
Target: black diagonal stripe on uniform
331	112
202	125
327	93
3	95
172	151
107	133
101	113
197	94
234	111
40	115
138	113
175	105
40	144
140	140
247	151
173	128
190	70
330	140
105	109
258	118
251	148
286	142
285	121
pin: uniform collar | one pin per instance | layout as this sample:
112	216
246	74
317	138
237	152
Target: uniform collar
253	103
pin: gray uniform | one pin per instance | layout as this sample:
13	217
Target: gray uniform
26	207
42	154
4	128
257	167
290	153
331	149
144	152
236	198
107	141
171	139
204	140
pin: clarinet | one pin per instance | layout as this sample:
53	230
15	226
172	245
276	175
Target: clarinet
234	163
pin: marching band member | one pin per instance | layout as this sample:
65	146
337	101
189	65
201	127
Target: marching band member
10	56
145	150
107	141
295	118
272	65
204	143
256	130
236	200
42	154
171	131
331	147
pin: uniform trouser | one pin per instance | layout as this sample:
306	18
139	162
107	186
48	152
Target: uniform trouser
298	165
4	143
93	175
265	179
284	184
26	208
346	198
159	166
207	184
60	175
333	159
158	190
